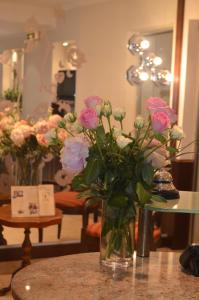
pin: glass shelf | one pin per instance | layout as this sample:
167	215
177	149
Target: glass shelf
187	203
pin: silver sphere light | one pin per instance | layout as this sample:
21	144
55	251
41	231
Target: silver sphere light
133	75
138	44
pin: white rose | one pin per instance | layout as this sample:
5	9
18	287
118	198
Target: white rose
139	122
70	117
122	141
177	133
117	131
41	126
157	160
27	130
119	114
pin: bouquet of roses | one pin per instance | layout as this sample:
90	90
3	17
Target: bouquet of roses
29	143
118	167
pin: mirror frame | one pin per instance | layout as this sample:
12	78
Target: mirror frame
178	53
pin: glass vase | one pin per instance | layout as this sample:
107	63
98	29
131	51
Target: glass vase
26	172
117	242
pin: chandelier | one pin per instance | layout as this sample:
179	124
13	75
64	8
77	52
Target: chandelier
149	64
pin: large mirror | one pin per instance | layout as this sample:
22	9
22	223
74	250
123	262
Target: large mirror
100	31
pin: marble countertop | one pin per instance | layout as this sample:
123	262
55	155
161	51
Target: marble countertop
81	277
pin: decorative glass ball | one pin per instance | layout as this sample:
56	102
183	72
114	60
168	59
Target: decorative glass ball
138	44
162	77
133	75
148	60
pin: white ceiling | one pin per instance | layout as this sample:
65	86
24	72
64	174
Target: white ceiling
14	13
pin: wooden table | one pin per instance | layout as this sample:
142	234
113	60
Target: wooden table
81	277
26	222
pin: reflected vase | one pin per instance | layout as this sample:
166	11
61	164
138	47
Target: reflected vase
26	172
117	243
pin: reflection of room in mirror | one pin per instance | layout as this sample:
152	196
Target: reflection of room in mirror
11	77
161	45
64	69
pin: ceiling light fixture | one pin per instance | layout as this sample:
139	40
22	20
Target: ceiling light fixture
65	44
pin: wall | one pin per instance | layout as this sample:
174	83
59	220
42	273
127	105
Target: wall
102	32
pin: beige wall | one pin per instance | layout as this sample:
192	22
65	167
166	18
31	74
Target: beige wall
102	31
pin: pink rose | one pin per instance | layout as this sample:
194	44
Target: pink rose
154	103
17	136
41	139
89	118
23	122
7	123
74	154
159	105
160	121
26	130
62	134
92	101
2	114
54	120
41	126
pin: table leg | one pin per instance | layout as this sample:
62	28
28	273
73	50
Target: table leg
2	239
26	247
145	231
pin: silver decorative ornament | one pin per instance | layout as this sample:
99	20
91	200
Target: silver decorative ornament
148	60
133	75
138	44
161	77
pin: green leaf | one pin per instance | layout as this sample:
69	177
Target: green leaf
118	240
101	135
160	137
92	170
78	183
143	195
147	173
118	200
106	228
108	179
172	149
